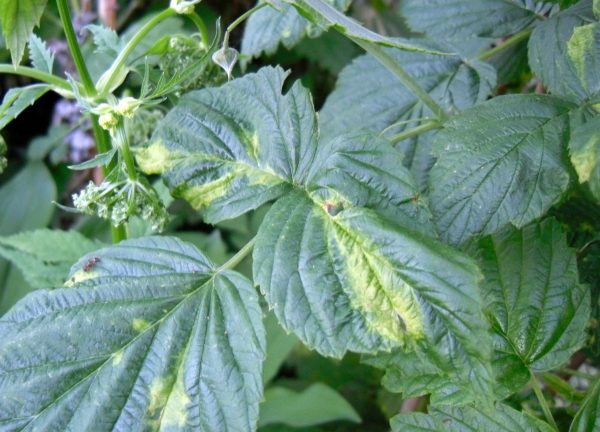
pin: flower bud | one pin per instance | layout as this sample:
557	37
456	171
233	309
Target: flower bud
226	58
184	7
108	121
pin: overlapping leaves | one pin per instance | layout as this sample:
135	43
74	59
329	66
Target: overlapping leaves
339	256
372	98
150	336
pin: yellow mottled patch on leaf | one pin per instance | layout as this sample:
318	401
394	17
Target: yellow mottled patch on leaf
117	358
175	412
585	158
389	304
80	276
579	48
156	158
140	324
201	196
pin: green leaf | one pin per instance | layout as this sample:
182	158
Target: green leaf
45	256
315	405
18	100
345	279
324	15
584	51
498	163
267	28
535	303
369	97
18	18
23	211
98	160
588	416
500	419
150	336
106	40
347	205
39	54
3	160
229	150
414	376
464	18
584	147
549	56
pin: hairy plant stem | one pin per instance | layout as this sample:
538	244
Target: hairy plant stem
537	389
413	86
240	20
123	145
115	69
238	257
415	131
100	136
513	40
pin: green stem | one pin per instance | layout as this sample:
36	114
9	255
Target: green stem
82	70
240	20
415	131
199	22
238	257
115	69
513	40
537	389
123	143
388	61
36	74
100	136
579	374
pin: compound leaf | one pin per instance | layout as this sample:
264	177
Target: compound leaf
149	336
45	256
467	18
18	18
498	163
535	303
269	27
501	418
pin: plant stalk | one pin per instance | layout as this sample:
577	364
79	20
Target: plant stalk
513	40
201	26
100	136
537	389
82	70
119	62
238	257
413	86
414	131
240	20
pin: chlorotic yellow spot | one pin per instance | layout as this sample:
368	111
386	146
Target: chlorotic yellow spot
117	358
80	276
159	393
140	324
155	159
584	158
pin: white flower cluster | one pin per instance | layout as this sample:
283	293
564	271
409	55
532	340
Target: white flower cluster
119	201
